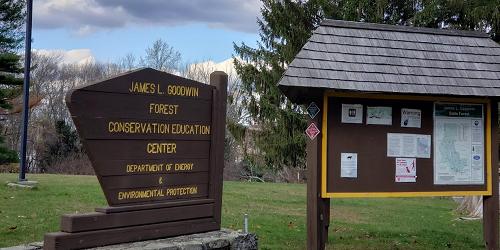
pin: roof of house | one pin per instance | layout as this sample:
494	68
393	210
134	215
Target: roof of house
352	56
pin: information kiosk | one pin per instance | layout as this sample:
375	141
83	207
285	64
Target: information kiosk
403	112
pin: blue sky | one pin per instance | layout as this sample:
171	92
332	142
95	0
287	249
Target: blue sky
199	29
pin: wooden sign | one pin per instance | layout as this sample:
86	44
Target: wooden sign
156	144
388	145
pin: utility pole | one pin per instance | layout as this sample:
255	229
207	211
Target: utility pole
26	90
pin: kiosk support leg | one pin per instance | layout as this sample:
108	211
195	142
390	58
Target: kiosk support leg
318	209
491	203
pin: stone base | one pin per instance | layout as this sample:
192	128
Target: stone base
223	239
23	184
29	246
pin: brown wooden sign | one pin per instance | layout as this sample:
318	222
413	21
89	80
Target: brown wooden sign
156	142
138	117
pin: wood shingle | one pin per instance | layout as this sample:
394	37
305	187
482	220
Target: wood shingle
351	56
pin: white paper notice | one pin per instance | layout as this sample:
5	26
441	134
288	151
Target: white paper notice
393	145
477	163
477	131
348	165
408	145
352	113
423	146
379	115
406	170
411	118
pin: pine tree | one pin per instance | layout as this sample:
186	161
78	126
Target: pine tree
11	38
285	27
479	15
65	143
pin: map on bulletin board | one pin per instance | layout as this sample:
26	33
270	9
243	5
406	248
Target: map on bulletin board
459	144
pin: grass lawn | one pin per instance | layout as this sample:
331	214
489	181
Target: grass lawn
277	213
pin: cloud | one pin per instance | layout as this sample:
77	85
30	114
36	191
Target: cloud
75	56
227	66
77	14
89	15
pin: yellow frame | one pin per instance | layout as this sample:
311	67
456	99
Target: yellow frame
325	194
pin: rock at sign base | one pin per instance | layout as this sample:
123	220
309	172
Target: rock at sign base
23	184
222	239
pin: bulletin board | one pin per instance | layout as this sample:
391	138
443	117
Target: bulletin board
391	153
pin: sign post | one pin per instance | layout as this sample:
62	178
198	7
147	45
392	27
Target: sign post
490	203
318	208
156	143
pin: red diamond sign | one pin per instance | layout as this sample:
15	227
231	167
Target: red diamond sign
312	131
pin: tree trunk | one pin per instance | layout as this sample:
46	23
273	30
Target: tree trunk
472	206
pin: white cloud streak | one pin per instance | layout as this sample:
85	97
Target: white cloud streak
87	16
75	56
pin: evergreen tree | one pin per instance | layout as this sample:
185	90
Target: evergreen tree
11	38
479	15
12	20
64	143
285	27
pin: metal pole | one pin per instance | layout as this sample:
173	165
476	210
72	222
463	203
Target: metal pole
245	223
26	90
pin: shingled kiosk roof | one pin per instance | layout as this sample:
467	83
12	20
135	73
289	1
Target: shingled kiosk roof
351	56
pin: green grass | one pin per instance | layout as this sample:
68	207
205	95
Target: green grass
277	213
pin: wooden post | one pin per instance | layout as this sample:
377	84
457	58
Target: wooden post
490	203
218	79
318	209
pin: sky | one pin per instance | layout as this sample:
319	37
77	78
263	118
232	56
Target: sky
107	30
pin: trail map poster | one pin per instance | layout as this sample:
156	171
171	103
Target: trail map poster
458	144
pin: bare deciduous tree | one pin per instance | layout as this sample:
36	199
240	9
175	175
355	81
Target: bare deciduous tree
237	118
161	56
128	62
52	80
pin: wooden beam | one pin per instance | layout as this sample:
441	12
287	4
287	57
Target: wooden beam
318	209
63	240
72	223
219	80
490	203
